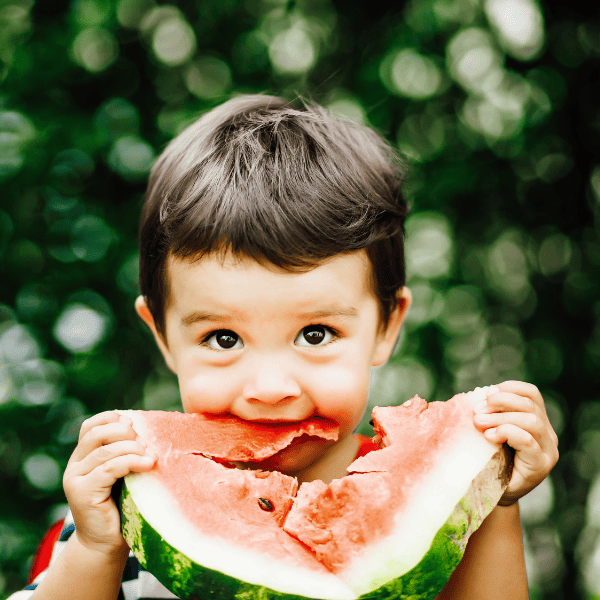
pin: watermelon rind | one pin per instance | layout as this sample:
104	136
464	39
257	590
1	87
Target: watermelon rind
189	580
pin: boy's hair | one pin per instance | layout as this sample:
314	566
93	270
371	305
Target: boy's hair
282	185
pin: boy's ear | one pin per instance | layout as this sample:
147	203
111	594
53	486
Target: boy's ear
389	335
145	315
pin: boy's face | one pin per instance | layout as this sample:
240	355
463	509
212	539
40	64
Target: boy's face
268	345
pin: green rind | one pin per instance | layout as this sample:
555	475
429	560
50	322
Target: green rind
190	581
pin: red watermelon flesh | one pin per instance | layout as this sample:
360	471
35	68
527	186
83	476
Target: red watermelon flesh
363	530
226	436
338	520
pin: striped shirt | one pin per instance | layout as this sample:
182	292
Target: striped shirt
137	583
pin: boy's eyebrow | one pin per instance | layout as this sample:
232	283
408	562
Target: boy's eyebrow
334	311
199	316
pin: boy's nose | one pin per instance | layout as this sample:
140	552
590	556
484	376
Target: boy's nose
271	383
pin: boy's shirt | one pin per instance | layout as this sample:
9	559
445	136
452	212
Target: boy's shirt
137	583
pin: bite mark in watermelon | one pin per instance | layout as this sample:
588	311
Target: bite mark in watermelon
395	527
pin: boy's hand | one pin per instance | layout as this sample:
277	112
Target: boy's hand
108	449
517	416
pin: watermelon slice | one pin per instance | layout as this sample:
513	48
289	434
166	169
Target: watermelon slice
395	527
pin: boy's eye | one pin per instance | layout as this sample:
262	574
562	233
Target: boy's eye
224	339
314	335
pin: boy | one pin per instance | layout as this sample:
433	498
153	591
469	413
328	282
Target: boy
272	278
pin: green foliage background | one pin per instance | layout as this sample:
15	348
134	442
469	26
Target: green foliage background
502	135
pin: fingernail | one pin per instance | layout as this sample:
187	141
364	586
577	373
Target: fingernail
125	420
490	432
480	405
141	441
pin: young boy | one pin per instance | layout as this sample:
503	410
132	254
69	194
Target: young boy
272	278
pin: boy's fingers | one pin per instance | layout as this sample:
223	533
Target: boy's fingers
109	416
522	388
509	402
529	423
105	476
107	453
102	435
530	452
120	466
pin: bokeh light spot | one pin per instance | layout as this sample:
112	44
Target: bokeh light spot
473	60
90	238
208	77
552	167
462	311
16	132
42	471
131	157
429	245
507	267
95	49
519	25
292	51
41	382
79	328
427	303
414	75
173	41
554	254
17	344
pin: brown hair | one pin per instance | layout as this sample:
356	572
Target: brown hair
289	186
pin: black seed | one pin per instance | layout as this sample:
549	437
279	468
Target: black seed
371	423
265	504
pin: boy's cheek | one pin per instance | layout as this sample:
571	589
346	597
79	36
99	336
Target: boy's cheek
205	395
338	393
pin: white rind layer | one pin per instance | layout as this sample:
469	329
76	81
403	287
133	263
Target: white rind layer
156	505
427	512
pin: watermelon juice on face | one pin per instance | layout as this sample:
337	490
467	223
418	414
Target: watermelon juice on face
264	344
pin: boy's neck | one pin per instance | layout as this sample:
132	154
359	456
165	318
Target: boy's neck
332	465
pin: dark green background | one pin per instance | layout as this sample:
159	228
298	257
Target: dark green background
503	244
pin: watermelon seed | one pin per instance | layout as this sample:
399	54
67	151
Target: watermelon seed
265	504
371	423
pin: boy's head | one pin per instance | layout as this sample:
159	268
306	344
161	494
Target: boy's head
288	187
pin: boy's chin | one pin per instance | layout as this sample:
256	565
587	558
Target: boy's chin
295	458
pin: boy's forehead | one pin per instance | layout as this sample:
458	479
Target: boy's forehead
351	271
